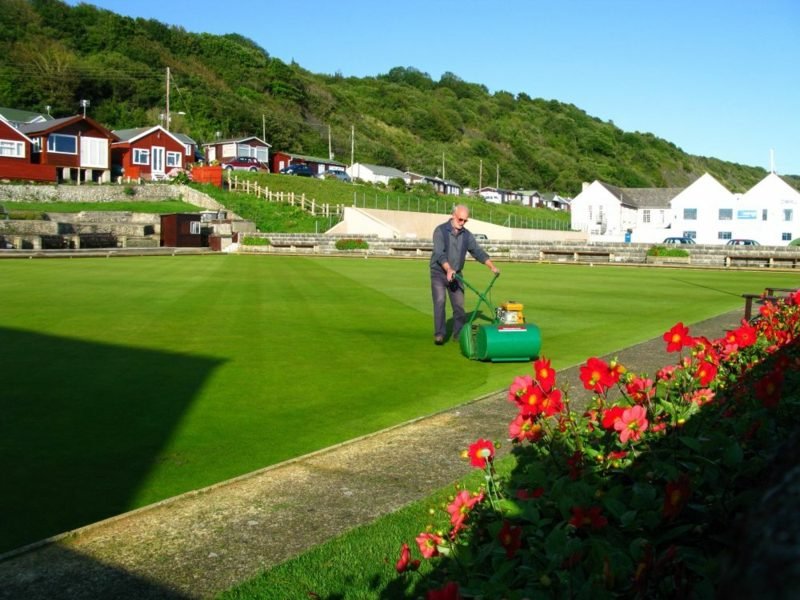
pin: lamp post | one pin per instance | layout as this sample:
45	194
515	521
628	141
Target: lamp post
85	104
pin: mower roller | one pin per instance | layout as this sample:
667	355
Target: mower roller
507	339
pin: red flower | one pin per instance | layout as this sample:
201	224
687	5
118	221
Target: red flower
480	453
519	388
530	402
588	517
429	544
596	375
705	373
745	336
701	397
523	428
545	374
460	507
551	403
631	424
617	454
677	338
611	415
448	592
768	389
640	389
523	494
510	538
676	495
666	373
405	563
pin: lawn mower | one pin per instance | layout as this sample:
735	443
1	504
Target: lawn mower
508	338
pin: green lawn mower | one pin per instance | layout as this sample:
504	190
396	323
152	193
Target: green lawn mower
508	338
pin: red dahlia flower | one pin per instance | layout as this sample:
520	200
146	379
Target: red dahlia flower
460	507
480	453
405	563
677	338
519	387
588	517
705	373
631	424
676	495
523	428
611	415
545	374
448	592
768	389
429	544
596	375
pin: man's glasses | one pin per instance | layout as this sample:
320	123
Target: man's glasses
461	220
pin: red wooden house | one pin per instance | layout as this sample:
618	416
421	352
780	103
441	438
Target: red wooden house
148	152
16	151
78	147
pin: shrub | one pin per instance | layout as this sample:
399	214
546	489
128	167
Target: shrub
251	240
129	191
396	184
26	215
638	496
351	244
664	251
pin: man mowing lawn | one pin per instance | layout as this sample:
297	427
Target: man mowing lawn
451	242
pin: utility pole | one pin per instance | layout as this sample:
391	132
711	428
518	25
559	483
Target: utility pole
352	145
443	174
263	127
166	121
480	176
497	184
330	148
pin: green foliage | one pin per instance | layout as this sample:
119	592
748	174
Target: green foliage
129	191
351	244
402	118
664	251
252	240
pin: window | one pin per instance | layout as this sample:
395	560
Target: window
600	214
764	214
12	149
62	144
173	159
724	235
690	234
194	227
786	236
725	214
787	214
645	216
37	144
690	214
141	156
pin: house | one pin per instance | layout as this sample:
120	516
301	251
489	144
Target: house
442	186
375	173
222	150
769	212
191	152
18	117
553	201
78	147
16	151
281	160
495	195
607	212
148	152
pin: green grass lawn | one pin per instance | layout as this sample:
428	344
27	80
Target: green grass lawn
131	380
161	207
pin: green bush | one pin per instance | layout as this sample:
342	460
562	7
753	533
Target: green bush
664	251
26	215
129	191
250	240
795	242
351	244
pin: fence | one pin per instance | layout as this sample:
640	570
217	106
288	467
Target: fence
314	208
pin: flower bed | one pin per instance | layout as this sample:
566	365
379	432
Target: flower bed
635	496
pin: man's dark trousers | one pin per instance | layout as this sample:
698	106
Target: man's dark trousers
438	288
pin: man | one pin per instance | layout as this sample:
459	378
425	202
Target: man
451	242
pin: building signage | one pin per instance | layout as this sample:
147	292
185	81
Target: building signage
746	214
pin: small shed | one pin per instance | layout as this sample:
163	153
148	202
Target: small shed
183	230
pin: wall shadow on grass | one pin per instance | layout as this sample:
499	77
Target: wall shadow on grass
81	426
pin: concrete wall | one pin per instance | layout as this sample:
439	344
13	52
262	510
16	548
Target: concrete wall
418	225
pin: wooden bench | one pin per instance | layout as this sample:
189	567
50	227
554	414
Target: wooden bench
773	291
292	246
576	255
417	250
768	261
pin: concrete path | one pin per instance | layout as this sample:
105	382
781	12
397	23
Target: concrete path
199	544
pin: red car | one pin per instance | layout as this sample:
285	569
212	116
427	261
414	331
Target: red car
244	163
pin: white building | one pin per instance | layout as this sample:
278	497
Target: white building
375	173
606	212
769	212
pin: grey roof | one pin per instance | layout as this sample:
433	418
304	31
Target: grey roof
643	197
29	128
237	140
128	134
315	159
14	115
384	171
184	138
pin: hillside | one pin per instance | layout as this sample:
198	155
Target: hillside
52	54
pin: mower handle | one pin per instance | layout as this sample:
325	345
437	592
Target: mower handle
482	296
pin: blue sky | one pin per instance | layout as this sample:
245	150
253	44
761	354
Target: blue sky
715	77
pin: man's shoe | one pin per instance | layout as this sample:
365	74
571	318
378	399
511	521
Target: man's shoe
438	340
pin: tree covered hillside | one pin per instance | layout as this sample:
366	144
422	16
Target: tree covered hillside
54	54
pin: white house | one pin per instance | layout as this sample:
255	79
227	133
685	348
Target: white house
769	212
606	212
704	211
375	173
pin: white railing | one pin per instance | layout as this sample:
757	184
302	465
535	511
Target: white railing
314	208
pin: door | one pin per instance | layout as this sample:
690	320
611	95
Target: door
94	152
157	161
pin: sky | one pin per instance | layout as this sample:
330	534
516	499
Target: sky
717	78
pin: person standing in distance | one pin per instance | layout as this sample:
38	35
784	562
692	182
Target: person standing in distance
451	242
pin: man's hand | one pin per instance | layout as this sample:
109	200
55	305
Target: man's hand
450	274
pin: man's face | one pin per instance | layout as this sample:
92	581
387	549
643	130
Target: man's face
460	217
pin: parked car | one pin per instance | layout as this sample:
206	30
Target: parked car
678	240
481	237
300	169
741	242
244	163
335	174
